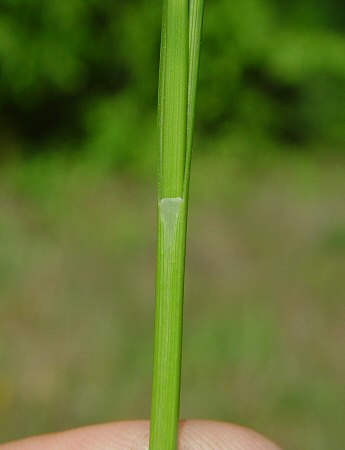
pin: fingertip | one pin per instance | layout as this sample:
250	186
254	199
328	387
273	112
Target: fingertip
212	435
127	435
193	435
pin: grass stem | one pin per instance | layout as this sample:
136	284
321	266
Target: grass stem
179	62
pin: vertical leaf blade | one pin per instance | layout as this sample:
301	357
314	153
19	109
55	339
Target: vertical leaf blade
196	14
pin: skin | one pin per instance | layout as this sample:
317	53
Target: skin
194	435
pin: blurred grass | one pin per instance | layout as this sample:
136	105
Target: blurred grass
265	293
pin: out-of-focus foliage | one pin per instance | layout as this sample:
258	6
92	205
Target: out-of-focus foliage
82	75
264	327
266	251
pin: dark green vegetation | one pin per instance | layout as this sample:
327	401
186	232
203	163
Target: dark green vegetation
75	75
263	342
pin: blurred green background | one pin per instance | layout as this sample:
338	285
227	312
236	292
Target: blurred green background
265	288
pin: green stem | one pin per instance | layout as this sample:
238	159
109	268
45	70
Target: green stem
173	97
181	31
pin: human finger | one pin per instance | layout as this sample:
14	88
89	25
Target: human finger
134	435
